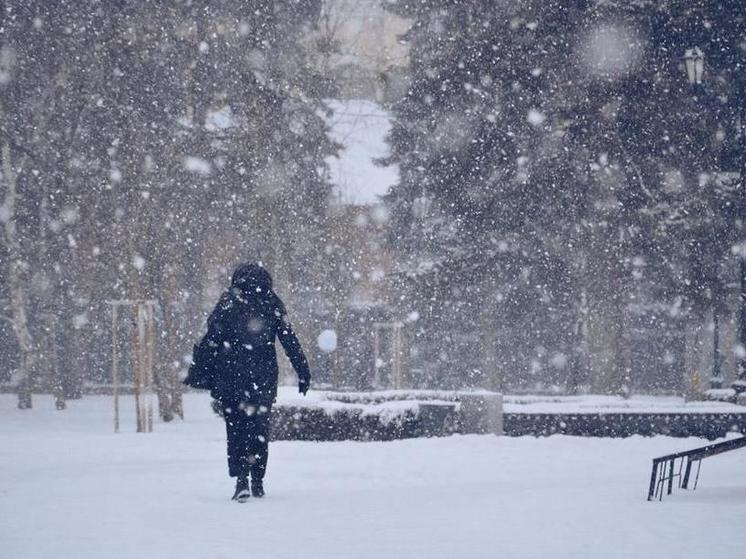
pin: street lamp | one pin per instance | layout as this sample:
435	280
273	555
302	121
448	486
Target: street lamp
694	60
694	63
421	206
740	384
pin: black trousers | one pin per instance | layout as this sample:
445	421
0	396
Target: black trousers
247	429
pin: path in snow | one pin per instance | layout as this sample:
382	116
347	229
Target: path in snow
69	488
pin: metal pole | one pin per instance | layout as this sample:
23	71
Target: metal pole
376	369
136	343
397	379
716	381
115	366
397	356
151	357
742	216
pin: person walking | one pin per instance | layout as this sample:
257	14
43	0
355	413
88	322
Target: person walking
237	362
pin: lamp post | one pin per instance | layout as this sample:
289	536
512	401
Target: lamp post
694	62
740	384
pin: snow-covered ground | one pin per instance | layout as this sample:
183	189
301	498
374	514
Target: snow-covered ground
70	488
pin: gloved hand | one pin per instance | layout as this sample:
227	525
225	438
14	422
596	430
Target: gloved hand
303	386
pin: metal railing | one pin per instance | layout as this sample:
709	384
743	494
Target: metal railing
665	467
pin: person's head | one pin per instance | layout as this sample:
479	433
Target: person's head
252	277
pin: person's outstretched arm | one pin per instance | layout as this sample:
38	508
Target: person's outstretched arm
294	351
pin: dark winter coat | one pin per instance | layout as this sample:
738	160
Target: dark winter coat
236	359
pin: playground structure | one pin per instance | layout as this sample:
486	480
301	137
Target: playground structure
665	467
141	341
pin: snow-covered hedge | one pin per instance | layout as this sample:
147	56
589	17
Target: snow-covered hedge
383	415
335	421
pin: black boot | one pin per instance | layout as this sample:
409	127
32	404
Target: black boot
242	489
257	488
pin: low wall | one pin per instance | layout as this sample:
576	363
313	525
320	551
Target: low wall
707	425
313	424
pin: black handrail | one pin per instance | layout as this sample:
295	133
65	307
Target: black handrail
664	467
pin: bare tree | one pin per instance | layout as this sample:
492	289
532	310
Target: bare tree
16	271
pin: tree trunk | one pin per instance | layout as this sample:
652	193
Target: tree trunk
169	364
607	345
578	373
18	301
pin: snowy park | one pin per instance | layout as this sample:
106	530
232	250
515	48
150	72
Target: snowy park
372	279
69	487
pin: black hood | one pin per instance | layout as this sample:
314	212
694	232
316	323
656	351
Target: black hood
252	278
